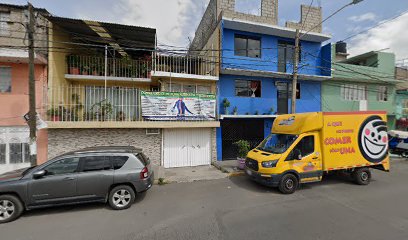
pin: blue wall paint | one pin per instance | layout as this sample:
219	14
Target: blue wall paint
311	55
219	144
309	101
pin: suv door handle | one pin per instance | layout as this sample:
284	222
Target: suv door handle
69	179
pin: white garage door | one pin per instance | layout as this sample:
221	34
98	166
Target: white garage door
186	147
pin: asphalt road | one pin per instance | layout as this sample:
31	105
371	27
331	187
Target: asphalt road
236	208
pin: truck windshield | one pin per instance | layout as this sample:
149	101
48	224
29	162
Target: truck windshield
277	143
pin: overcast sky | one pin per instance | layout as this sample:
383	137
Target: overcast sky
176	20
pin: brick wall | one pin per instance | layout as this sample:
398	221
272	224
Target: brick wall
66	140
208	24
16	34
311	17
269	13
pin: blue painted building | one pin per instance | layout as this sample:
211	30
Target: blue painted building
256	66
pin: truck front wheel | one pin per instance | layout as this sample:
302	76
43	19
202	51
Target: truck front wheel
362	176
288	184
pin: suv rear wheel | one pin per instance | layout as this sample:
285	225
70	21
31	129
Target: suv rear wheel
10	208
121	197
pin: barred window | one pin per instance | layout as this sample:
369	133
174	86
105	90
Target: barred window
5	79
353	92
382	94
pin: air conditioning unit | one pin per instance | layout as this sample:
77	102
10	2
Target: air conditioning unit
152	131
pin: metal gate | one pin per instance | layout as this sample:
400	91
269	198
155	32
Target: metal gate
186	147
233	130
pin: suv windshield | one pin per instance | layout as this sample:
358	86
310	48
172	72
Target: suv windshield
277	143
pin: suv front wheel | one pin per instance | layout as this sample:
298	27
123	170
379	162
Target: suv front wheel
121	197
10	208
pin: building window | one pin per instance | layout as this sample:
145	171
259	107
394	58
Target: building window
189	88
297	90
203	89
353	92
3	153
382	94
4	23
244	88
16	153
247	46
252	7
5	79
286	54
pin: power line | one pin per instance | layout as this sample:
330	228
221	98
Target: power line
375	26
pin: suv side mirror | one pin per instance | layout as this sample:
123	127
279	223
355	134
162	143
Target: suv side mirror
39	174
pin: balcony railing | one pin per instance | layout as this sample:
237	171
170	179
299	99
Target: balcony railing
99	104
116	67
195	65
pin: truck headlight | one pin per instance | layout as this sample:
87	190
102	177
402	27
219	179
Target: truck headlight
269	164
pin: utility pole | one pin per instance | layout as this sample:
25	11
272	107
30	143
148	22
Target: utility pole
32	122
295	71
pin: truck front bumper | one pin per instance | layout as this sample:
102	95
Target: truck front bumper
264	179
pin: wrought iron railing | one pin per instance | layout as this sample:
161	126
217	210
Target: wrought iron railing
185	64
116	67
80	103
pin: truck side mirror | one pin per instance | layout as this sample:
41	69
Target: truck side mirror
297	154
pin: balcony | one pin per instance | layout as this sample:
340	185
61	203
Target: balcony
110	107
119	69
185	66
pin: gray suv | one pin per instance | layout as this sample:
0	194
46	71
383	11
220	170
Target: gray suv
101	174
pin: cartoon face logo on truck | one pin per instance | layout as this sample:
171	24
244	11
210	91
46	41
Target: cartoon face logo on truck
373	139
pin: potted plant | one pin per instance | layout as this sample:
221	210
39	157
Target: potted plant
53	114
256	112
243	149
271	111
235	111
73	63
120	116
76	108
226	104
102	110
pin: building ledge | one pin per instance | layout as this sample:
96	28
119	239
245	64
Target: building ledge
109	78
141	124
248	116
160	74
280	75
20	56
273	30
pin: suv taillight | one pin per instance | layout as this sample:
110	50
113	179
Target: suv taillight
144	173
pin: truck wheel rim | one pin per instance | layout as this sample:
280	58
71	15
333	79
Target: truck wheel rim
364	176
6	209
289	184
121	198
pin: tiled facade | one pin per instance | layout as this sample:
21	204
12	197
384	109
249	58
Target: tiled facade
66	140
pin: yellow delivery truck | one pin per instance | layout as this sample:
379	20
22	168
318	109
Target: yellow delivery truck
301	147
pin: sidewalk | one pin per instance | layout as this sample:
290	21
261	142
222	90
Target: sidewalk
229	167
191	174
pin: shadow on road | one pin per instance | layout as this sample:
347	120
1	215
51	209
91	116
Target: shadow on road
76	208
331	179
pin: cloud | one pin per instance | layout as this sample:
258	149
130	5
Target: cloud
389	35
362	18
174	20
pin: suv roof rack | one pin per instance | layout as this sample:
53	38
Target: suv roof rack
107	149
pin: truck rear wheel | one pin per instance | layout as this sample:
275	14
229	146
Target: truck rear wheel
362	176
288	184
